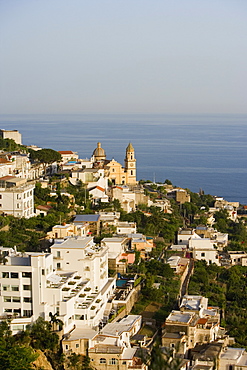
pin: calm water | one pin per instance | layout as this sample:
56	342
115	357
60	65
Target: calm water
193	151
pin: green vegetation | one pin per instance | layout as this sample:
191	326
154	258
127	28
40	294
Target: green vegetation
17	352
14	353
45	156
10	145
226	288
164	295
157	224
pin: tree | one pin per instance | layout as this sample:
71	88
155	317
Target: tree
79	362
13	355
55	322
164	360
42	336
46	157
168	182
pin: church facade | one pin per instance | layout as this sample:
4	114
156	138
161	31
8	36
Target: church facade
114	171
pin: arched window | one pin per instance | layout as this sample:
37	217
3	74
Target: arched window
102	361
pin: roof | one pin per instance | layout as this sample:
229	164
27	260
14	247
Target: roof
177	316
65	152
4	160
202	321
4	178
98	187
128	353
130	148
232	353
84	332
114	239
99	152
173	335
44	208
87	218
194	302
74	243
117	328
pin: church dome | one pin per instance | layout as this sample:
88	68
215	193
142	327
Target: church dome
99	152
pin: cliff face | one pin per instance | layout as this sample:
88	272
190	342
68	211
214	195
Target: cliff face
42	362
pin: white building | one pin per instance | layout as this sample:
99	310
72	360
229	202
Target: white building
233	359
72	281
203	249
125	228
11	134
16	197
68	155
184	235
82	255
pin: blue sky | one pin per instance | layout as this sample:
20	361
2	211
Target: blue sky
123	56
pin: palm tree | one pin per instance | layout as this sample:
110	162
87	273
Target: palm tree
55	322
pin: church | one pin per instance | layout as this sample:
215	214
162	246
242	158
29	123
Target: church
114	171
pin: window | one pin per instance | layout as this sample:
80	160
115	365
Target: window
113	361
5	274
15	288
58	254
43	272
58	266
7	299
203	254
27	274
6	288
27	313
14	275
26	287
102	361
18	327
66	346
27	299
0	196
16	299
77	345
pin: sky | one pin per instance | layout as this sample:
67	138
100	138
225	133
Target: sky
123	56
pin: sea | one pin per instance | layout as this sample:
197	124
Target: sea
200	152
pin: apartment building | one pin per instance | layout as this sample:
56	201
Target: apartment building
16	197
72	281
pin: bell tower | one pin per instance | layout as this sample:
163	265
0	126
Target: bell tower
130	165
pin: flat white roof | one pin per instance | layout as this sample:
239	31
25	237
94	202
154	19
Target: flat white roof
84	332
78	242
128	353
232	353
177	316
